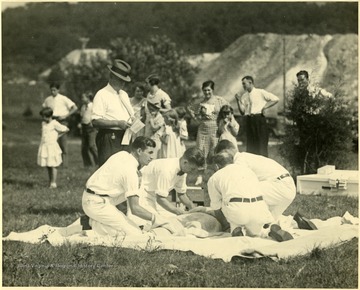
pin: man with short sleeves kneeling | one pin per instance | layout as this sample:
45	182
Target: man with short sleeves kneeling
163	175
235	191
115	182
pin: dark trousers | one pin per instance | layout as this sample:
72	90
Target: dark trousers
89	151
257	135
108	142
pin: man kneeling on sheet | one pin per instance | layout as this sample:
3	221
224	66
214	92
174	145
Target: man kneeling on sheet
116	181
235	190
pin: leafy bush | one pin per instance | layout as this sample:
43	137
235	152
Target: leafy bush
318	132
161	56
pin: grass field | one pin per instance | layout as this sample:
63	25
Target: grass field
28	203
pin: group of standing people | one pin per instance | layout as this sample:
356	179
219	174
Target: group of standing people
131	132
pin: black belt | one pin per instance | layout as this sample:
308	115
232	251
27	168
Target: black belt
88	190
241	199
283	176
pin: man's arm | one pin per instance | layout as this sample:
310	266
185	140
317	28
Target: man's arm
240	104
168	205
185	200
137	209
271	100
105	124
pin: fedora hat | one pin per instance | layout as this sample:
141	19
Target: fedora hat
121	69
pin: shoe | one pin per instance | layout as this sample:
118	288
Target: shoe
278	234
304	223
237	232
53	185
85	223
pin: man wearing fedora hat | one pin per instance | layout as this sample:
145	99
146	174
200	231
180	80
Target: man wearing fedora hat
112	111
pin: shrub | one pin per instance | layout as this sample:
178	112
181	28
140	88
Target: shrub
318	132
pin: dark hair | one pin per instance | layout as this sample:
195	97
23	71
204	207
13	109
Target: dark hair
90	95
222	159
208	83
181	111
55	85
142	143
249	78
46	112
174	120
221	115
224	145
195	155
141	87
303	73
153	79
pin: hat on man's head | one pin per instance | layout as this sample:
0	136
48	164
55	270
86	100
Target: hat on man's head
121	69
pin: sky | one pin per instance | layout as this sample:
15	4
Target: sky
12	4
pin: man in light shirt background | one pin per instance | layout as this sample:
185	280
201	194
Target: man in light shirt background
253	103
112	112
63	108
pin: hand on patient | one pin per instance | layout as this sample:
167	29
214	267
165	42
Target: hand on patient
171	224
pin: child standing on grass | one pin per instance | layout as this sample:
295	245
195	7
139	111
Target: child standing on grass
49	154
228	128
184	135
170	139
154	125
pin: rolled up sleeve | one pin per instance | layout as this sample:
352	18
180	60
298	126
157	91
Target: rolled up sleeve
98	109
215	195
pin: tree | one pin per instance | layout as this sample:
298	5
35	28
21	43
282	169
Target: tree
158	55
318	132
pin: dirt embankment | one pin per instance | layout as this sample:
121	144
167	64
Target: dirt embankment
331	60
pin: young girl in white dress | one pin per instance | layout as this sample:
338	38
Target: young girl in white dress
171	147
49	154
183	131
228	128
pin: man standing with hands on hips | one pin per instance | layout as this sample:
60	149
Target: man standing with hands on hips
112	112
253	104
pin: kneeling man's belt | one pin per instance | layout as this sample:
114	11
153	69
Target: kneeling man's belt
241	199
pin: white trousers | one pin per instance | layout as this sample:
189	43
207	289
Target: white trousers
105	218
252	216
278	194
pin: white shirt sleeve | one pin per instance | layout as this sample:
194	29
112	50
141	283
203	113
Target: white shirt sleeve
215	195
162	184
269	96
68	103
180	185
60	128
132	184
98	109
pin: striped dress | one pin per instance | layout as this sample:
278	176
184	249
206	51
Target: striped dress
207	112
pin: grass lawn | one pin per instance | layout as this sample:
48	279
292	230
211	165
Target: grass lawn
28	203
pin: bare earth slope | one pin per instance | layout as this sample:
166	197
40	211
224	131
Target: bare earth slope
329	59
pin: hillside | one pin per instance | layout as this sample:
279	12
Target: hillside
330	60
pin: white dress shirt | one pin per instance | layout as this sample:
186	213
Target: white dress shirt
111	105
117	177
234	180
161	176
60	105
264	168
255	100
